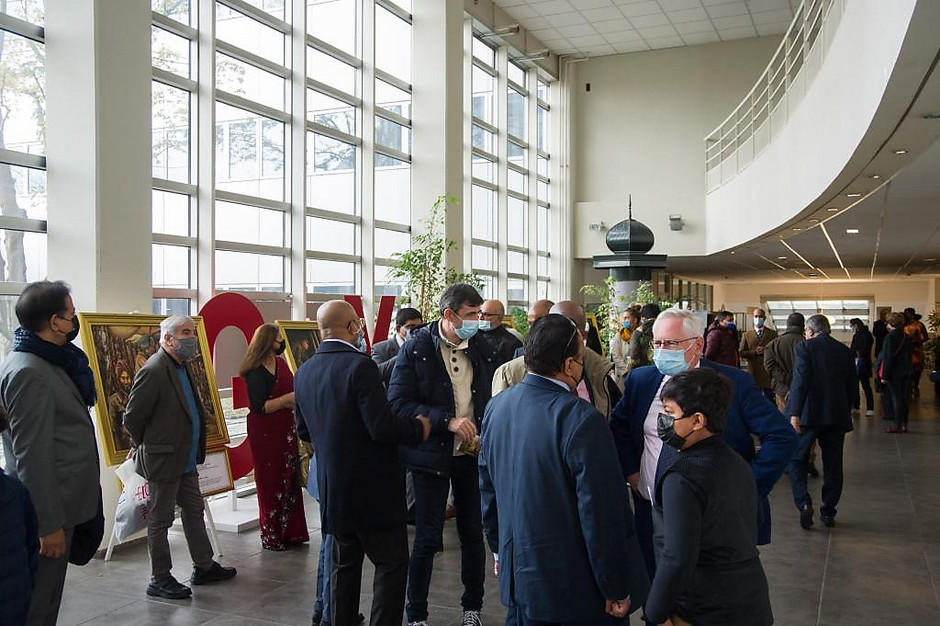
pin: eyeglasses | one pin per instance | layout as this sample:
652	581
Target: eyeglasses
490	315
669	344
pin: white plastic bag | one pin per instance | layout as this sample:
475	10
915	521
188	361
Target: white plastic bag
134	503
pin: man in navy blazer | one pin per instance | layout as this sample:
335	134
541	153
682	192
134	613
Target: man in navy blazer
340	397
678	345
820	409
555	507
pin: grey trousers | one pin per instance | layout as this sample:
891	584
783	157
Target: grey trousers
164	496
47	594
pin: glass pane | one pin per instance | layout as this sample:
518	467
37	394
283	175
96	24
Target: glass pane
543	129
542	91
333	21
248	224
542	228
170	52
331	174
273	7
385	285
171	267
483	258
242	271
483	87
23	82
239	167
517	75
544	265
392	44
332	277
171	306
389	242
542	288
405	4
24	256
171	214
517	290
170	123
515	116
28	194
393	99
542	191
331	112
518	182
245	32
331	236
482	139
331	71
489	287
542	166
392	135
248	81
175	9
484	52
483	168
518	263
518	222
392	190
484	213
516	154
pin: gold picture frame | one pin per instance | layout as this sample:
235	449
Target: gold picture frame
509	321
117	346
591	318
302	339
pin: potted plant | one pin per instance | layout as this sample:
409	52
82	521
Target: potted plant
932	345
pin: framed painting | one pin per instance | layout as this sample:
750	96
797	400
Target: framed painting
594	334
509	321
118	346
303	339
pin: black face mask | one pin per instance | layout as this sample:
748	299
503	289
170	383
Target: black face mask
666	431
72	334
279	350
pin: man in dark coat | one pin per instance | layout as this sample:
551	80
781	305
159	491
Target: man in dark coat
862	342
445	372
779	356
721	340
753	344
502	342
384	352
555	505
820	409
340	397
894	369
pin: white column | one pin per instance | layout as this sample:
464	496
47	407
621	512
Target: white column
438	127
98	150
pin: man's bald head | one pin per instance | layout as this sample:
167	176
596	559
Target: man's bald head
335	317
494	307
539	310
572	310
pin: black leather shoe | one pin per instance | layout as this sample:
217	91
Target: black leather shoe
170	589
811	471
211	575
806	516
828	520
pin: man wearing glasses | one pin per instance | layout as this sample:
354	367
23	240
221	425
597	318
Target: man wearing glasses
677	346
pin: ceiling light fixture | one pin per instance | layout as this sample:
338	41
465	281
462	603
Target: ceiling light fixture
853	195
797	229
832	209
512	29
851	231
732	252
782	258
900	151
814	221
536	56
875	176
834	251
930	260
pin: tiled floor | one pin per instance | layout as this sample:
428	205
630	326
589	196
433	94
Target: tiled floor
879	565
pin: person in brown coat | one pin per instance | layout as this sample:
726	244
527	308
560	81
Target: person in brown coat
752	347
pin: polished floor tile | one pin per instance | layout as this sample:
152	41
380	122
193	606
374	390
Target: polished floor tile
880	564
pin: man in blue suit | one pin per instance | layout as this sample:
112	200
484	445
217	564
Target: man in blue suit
820	409
555	507
677	346
339	396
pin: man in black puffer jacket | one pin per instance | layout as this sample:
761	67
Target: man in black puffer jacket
445	371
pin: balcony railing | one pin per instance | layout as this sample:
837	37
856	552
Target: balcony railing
765	109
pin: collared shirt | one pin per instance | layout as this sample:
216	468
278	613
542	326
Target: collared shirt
356	348
193	410
399	340
652	445
460	370
554	380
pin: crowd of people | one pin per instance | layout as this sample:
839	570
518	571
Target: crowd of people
601	487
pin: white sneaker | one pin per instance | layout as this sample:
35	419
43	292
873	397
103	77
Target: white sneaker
471	618
417	624
869	412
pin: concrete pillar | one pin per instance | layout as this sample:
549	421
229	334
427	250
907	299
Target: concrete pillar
98	151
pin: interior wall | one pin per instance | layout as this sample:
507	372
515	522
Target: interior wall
640	131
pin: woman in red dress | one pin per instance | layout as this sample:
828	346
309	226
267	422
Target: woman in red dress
272	436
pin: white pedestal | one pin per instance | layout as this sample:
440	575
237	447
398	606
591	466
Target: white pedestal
241	520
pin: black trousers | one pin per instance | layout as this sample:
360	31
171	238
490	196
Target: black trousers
896	400
387	548
831	441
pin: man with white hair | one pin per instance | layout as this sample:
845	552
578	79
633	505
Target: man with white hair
167	426
677	345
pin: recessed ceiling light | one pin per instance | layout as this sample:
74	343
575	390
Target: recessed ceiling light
900	151
875	176
832	209
782	258
812	274
851	231
930	260
814	221
732	252
797	229
853	195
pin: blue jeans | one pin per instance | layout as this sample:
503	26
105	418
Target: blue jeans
430	502
322	605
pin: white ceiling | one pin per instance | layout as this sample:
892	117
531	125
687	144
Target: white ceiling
602	27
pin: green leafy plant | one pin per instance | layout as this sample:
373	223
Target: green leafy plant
612	304
520	318
424	269
932	345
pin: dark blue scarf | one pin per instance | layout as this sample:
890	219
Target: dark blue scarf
69	357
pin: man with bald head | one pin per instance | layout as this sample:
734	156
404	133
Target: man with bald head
539	310
596	386
502	342
341	401
752	347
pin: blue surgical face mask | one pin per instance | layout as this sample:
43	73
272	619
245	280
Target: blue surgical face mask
485	326
626	324
670	362
730	327
468	329
759	322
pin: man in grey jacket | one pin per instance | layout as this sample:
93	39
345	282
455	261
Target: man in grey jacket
167	426
47	387
384	352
